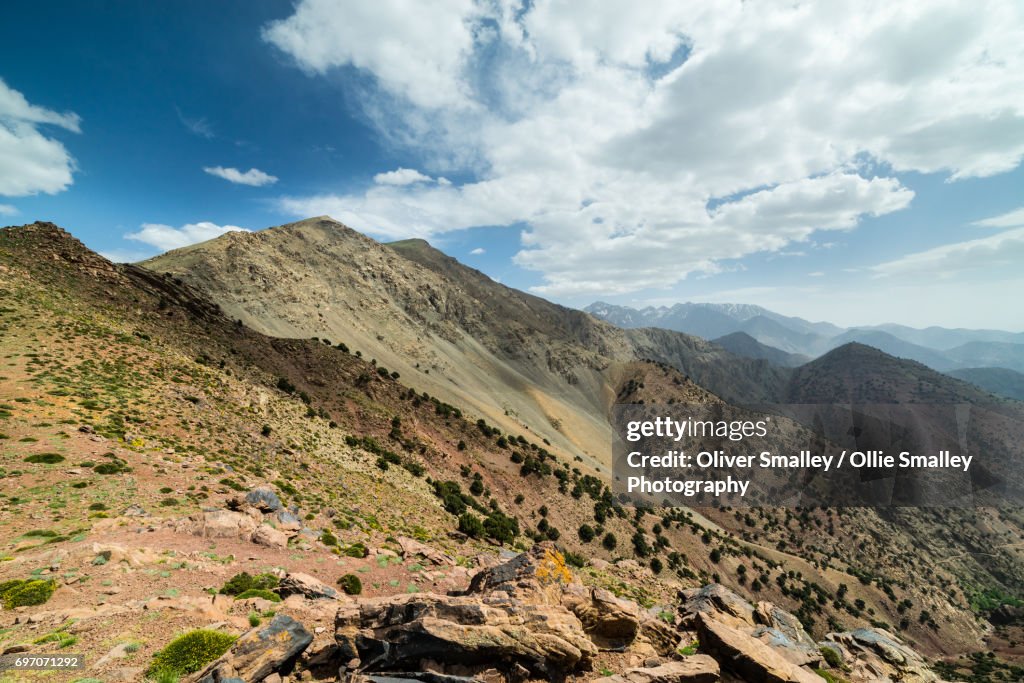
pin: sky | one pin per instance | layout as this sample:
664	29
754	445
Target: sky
851	161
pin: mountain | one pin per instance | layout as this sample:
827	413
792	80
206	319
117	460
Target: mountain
711	320
943	338
742	344
999	381
894	346
937	347
156	446
989	354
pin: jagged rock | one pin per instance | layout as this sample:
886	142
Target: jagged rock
269	536
259	653
399	632
412	547
717	600
784	632
693	669
288	521
297	583
874	654
264	500
608	620
134	510
755	661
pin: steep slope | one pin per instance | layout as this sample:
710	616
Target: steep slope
519	360
999	381
507	357
742	344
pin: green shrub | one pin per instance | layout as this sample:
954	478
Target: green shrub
258	593
21	593
190	652
254	619
45	458
831	657
357	549
328	538
471	525
351	584
240	583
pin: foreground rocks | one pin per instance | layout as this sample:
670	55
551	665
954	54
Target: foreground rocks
526	619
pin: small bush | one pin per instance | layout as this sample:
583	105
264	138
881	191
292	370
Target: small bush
190	652
328	538
45	458
258	593
831	657
471	525
240	583
357	549
351	584
254	619
22	593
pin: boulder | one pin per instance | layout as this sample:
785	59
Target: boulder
264	499
693	669
267	535
609	621
133	557
752	659
399	633
219	524
874	654
261	652
411	548
288	521
297	583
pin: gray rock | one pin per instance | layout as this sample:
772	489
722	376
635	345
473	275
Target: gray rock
259	653
264	499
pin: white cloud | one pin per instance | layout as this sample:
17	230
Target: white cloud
30	162
403	176
165	237
8	210
640	144
417	48
478	251
253	176
988	254
1010	219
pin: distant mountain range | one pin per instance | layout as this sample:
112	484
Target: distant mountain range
791	341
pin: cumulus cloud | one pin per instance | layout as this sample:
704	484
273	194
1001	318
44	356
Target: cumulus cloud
253	177
646	143
30	162
166	237
402	176
8	210
478	251
1010	219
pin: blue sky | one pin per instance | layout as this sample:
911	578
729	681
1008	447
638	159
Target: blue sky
858	162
